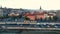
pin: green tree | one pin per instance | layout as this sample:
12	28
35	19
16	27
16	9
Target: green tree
49	18
55	18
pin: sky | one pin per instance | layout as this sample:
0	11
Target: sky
31	4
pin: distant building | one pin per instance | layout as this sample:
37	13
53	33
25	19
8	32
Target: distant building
1	12
58	13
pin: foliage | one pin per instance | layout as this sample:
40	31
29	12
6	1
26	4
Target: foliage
55	18
26	18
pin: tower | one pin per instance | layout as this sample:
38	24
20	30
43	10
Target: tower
40	9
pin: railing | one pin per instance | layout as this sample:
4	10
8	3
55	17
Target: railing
37	26
33	28
29	22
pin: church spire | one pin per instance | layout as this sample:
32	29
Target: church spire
40	8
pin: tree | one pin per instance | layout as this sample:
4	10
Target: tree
6	16
55	18
19	16
49	18
26	18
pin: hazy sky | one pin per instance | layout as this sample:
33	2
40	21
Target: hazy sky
31	4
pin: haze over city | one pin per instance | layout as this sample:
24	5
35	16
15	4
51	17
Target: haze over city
31	4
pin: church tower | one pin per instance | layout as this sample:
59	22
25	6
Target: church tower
40	9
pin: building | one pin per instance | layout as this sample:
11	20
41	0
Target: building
1	11
58	13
